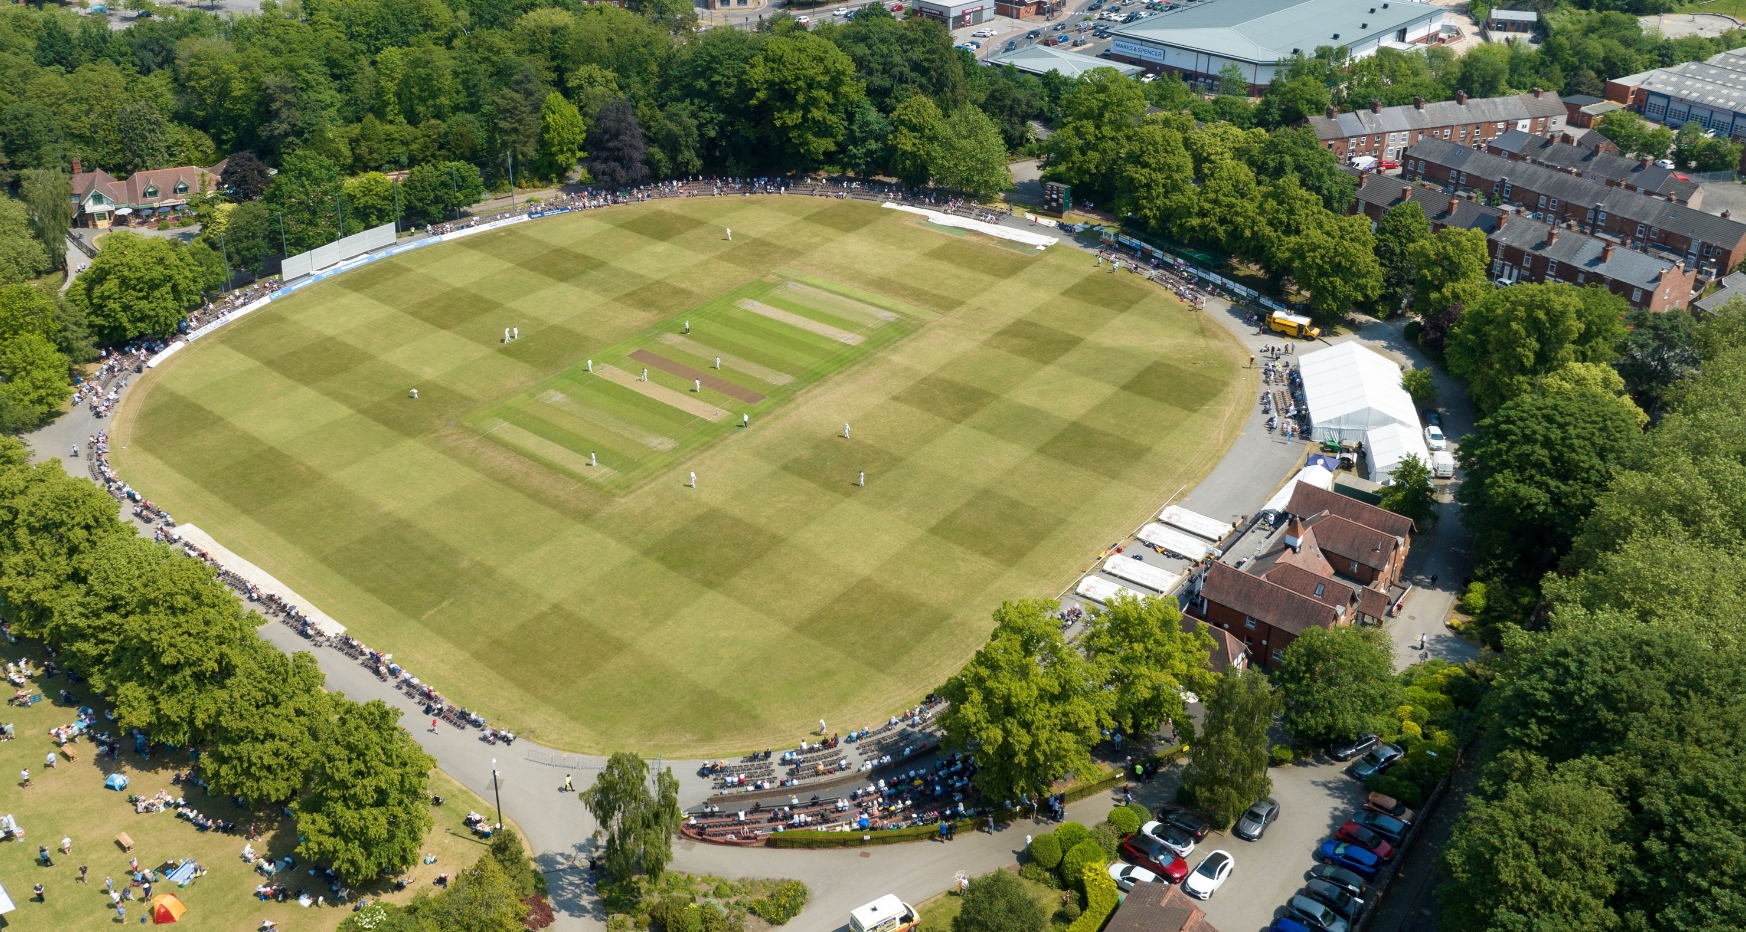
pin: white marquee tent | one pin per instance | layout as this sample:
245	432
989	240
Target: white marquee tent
1351	390
1385	447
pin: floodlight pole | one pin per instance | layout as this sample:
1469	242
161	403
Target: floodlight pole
224	250
283	244
496	792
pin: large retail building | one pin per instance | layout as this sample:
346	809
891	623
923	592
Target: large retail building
1197	41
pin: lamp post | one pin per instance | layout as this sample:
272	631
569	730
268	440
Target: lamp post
224	251
283	244
495	792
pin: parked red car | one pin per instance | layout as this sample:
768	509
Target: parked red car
1366	839
1150	853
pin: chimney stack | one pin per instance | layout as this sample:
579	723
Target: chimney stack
1644	162
1332	112
1406	193
1606	252
1461	98
1418	103
1726	213
1294	535
1538	93
1375	105
1454	203
1501	218
1552	235
76	166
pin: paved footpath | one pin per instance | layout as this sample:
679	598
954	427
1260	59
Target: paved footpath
560	829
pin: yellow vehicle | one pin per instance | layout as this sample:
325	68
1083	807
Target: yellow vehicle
1292	325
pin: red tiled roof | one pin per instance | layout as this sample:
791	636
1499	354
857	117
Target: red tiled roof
1353	541
1307	500
1227	647
1265	601
1372	602
1305	583
132	191
1158	907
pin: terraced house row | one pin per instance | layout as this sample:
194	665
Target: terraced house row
1713	245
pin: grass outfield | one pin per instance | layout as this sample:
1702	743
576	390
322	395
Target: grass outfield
1014	412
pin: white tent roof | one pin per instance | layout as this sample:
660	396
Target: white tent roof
1098	589
1137	571
1317	476
1195	523
6	901
1350	389
1387	445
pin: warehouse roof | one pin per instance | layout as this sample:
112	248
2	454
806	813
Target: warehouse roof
1428	114
1515	16
1272	30
1719	82
1040	59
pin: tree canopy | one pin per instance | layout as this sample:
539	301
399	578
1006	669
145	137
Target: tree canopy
1227	763
1338	683
639	822
1140	653
139	285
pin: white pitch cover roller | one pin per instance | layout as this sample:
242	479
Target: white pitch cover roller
1101	590
1195	523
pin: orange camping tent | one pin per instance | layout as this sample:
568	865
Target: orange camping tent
166	908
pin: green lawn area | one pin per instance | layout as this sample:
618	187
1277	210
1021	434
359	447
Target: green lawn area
1014	411
70	801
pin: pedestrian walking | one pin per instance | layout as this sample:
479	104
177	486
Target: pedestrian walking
415	394
862	481
42	852
745	420
1433	580
694	480
120	912
515	333
83	870
1421	640
24	778
845	431
433	728
39	895
568	786
730	233
51	759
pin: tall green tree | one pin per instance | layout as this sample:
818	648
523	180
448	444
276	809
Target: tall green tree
370	199
438	192
482	899
1410	492
51	525
1517	334
1335	261
1139	651
48	196
917	133
561	136
1449	268
1338	683
22	256
804	91
367	808
1534	469
305	200
1024	707
639	821
1403	226
1097	116
1659	349
971	156
138	285
1227	763
618	153
33	382
263	738
1156	184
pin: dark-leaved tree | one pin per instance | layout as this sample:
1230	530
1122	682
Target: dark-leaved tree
245	176
617	153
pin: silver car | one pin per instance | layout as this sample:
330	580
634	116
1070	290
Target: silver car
1378	760
1254	822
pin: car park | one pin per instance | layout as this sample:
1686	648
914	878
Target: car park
1375	762
1434	438
1177	840
1387	826
1185	820
1349	856
1339	877
1254	822
1342	902
1205	880
1366	839
1389	806
1126	875
1315	914
1150	853
1349	748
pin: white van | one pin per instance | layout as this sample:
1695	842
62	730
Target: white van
886	914
1442	464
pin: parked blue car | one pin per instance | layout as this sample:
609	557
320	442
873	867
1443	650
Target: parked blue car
1288	924
1349	856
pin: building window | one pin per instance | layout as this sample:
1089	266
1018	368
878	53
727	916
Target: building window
181	187
151	191
1497	266
1320	588
1641	229
1601	217
1249	623
1542	202
1551	268
1506	189
1554	203
1354	566
1579	278
1636	295
1278	655
1463	177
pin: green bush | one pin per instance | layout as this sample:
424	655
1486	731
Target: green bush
1101	898
1473	600
1087	855
1068	912
1046	852
1124	821
676	914
1107	838
1400	788
1070	834
1281	755
1144	814
783	903
1036	873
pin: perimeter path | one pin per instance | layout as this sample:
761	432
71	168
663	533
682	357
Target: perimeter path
558	826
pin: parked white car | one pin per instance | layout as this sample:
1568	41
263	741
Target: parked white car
840	11
1127	875
983	34
1434	438
1204	880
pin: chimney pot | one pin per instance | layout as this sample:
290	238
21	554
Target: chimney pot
1500	220
1406	193
1375	105
1726	214
1644	161
1539	93
1461	98
1454	203
1418	103
77	168
1606	252
1552	235
1332	112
